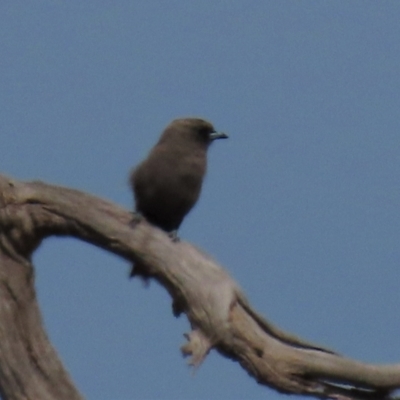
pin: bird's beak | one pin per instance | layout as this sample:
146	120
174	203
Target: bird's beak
218	135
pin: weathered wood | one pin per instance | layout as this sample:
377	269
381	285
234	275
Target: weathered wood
218	311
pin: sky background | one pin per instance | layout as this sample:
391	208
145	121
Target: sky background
300	204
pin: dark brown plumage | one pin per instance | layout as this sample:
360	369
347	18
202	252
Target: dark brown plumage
167	183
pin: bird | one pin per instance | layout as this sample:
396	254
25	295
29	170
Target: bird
167	184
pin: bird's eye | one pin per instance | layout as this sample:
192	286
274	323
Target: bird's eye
205	131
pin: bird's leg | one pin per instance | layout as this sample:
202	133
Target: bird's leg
137	217
174	235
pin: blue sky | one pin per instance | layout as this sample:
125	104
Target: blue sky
301	204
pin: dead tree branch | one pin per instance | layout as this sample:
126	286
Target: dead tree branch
220	316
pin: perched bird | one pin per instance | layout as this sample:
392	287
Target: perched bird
167	183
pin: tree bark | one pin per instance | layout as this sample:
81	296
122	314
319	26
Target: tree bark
220	316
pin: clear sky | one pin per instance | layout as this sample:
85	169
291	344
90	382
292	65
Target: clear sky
301	204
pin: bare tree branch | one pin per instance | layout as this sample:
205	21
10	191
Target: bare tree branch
220	316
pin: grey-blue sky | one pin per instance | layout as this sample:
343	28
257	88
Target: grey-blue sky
300	205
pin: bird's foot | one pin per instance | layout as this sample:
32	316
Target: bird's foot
136	219
174	235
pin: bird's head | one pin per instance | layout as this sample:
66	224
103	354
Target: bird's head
194	131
